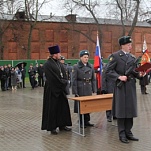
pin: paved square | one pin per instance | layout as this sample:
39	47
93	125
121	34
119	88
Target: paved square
20	126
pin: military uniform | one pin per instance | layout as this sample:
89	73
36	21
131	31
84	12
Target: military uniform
83	83
107	87
124	105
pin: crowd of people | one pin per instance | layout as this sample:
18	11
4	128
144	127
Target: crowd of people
13	78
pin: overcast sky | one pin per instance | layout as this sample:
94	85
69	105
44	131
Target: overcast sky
56	8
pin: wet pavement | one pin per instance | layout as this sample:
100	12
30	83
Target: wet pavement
20	126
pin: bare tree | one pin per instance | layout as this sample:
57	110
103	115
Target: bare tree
7	10
4	25
32	8
127	11
91	8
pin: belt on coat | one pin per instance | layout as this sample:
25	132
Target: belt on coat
85	80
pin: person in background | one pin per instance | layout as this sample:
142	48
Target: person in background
83	82
36	67
40	71
62	60
124	106
70	73
9	75
23	72
36	76
3	78
14	78
32	73
56	111
107	87
6	69
19	77
144	81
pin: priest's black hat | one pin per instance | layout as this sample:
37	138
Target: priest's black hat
54	49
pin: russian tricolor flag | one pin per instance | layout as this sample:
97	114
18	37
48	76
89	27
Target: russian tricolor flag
98	63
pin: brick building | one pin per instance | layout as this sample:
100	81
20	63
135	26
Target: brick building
69	33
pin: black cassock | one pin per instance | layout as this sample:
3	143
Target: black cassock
56	111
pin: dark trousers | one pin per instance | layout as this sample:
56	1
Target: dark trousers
86	118
32	81
3	82
9	83
109	114
23	81
143	89
40	81
124	126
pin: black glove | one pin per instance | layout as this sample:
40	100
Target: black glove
76	95
103	92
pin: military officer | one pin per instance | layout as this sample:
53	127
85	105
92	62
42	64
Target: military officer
83	82
124	105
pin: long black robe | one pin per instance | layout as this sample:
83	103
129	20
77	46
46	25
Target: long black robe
56	111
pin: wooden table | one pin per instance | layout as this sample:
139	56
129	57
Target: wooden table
94	103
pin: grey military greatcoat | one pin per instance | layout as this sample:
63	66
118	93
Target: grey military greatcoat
124	98
83	80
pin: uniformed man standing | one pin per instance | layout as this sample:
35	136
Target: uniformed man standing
124	97
84	82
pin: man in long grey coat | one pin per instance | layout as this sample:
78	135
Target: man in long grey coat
84	82
124	97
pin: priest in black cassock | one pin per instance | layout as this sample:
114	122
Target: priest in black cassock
56	111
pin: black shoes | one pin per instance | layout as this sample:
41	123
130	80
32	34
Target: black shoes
124	140
54	132
127	138
89	124
132	138
109	120
144	93
64	128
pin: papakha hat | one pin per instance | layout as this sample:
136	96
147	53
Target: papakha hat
54	49
125	40
84	52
